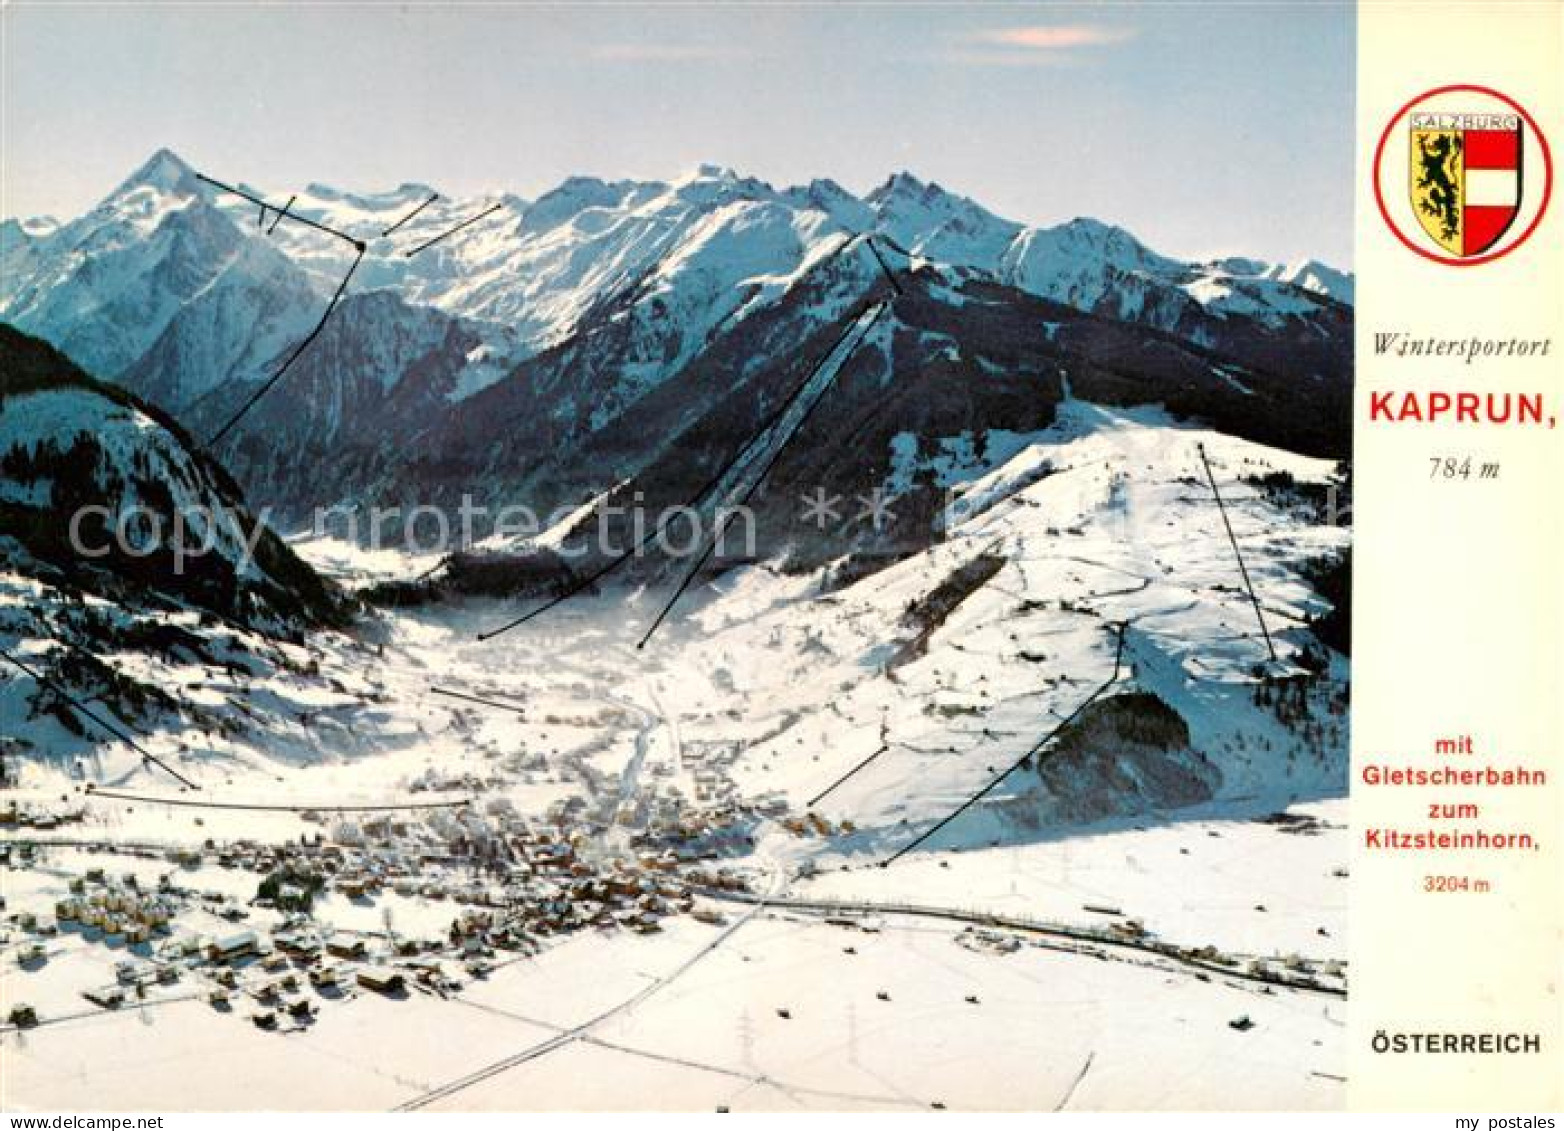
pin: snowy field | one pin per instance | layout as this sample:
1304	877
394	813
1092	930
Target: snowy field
756	698
1049	1029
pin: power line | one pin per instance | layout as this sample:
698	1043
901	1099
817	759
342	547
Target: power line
687	579
1118	654
283	213
280	215
258	808
292	357
1242	569
878	258
88	713
305	220
860	323
716	480
453	231
865	322
411	214
477	699
815	800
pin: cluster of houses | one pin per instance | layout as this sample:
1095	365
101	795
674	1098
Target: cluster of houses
14	815
511	883
705	762
510	886
117	910
511	909
812	824
277	971
438	781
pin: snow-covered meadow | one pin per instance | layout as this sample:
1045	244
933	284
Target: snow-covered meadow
762	692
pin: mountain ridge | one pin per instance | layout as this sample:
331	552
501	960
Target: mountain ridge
602	305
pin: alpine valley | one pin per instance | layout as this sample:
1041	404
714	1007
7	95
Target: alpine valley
1001	480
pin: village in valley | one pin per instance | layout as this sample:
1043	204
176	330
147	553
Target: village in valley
422	902
736	870
479	891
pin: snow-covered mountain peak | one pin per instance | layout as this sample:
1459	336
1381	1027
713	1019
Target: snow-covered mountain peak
898	184
1238	265
824	189
407	193
706	171
823	193
189	296
1085	236
164	171
903	190
707	186
578	194
904	196
163	185
939	225
36	227
825	196
1312	275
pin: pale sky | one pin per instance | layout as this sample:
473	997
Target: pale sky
1203	129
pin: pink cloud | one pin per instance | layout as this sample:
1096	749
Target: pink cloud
1057	38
